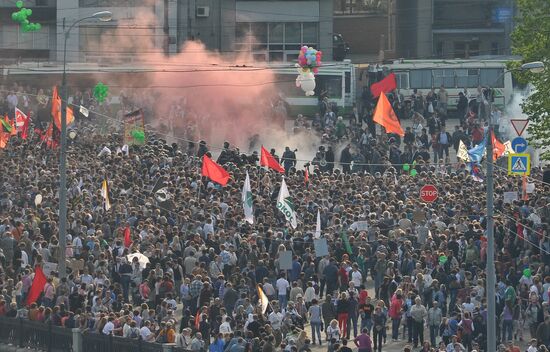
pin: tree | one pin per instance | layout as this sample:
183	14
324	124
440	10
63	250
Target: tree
531	40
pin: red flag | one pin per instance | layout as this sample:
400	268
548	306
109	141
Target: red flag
56	110
48	137
214	171
127	238
306	176
498	147
385	116
22	123
198	320
37	287
384	86
266	159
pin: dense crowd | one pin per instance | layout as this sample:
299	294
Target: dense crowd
396	268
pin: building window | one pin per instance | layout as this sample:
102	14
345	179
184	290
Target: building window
439	49
495	48
459	49
277	41
11	37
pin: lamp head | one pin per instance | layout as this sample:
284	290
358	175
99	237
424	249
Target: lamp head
103	16
535	67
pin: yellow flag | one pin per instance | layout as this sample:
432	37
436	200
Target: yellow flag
264	301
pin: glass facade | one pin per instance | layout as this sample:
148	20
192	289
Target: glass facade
275	41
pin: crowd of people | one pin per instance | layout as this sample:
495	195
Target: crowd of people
396	269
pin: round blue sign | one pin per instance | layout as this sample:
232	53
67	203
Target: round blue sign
519	145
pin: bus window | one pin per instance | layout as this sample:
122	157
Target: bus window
421	79
330	84
348	82
402	80
467	78
444	77
488	77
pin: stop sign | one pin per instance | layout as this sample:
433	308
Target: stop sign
428	193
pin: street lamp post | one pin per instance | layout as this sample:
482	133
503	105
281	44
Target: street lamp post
103	16
535	67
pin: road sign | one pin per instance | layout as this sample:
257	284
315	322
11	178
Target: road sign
519	145
519	125
519	164
428	193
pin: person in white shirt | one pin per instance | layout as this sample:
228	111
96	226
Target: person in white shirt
268	288
77	245
109	327
146	333
275	319
310	294
282	287
356	276
225	327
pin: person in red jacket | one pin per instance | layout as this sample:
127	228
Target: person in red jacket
396	307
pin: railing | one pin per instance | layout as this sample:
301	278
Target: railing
47	337
36	335
102	343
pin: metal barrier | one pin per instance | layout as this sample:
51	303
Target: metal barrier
49	338
35	335
93	342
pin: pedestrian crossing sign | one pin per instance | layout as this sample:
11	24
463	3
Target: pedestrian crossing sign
519	164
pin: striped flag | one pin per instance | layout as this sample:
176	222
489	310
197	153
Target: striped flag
105	195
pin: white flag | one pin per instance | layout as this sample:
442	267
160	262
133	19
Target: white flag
285	205
462	152
318	227
247	201
104	151
84	111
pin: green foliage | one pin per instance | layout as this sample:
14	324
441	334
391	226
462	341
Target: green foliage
531	40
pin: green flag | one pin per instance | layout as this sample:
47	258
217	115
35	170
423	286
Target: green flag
6	124
347	246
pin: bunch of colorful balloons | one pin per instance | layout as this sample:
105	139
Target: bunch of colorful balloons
310	59
100	92
21	17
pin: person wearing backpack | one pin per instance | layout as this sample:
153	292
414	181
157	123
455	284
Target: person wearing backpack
133	332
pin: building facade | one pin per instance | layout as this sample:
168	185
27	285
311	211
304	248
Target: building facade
453	28
270	30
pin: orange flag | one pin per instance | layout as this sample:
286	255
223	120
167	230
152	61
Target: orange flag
214	171
4	138
56	110
498	147
385	116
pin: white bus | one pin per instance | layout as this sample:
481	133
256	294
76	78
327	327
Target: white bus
335	79
455	76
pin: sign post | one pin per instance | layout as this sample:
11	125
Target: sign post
428	193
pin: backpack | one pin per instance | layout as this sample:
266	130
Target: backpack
134	333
